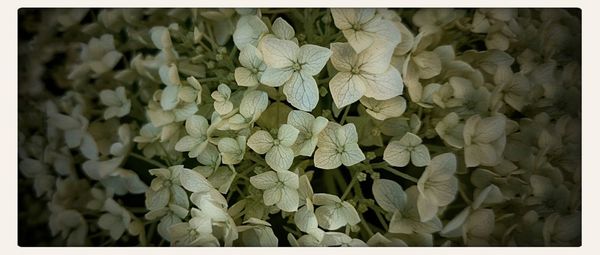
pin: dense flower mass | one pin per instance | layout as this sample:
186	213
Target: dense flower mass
299	127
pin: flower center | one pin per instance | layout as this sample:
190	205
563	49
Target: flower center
355	70
357	26
296	67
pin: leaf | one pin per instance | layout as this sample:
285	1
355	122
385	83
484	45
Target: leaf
275	115
389	195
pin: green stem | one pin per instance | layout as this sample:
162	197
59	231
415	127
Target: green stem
209	79
401	174
365	225
147	160
345	115
349	187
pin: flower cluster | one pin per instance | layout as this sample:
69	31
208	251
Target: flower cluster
300	127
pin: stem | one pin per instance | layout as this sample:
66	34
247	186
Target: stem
166	154
147	160
365	226
209	79
345	115
349	187
401	174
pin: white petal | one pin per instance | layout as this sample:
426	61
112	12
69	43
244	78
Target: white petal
187	143
346	88
352	155
389	195
396	154
194	181
343	56
313	58
280	158
289	200
196	125
305	219
420	156
327	158
282	29
278	53
264	180
272	196
276	77
427	210
254	104
302	92
248	30
287	135
261	142
244	77
359	40
429	64
384	86
376	58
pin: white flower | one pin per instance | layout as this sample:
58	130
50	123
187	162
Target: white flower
437	185
384	109
166	188
484	140
117	102
248	31
279	188
362	27
403	206
99	56
333	213
257	233
408	148
196	140
338	145
279	154
309	127
450	129
294	68
116	220
232	150
221	96
76	134
368	73
252	67
196	232
252	106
